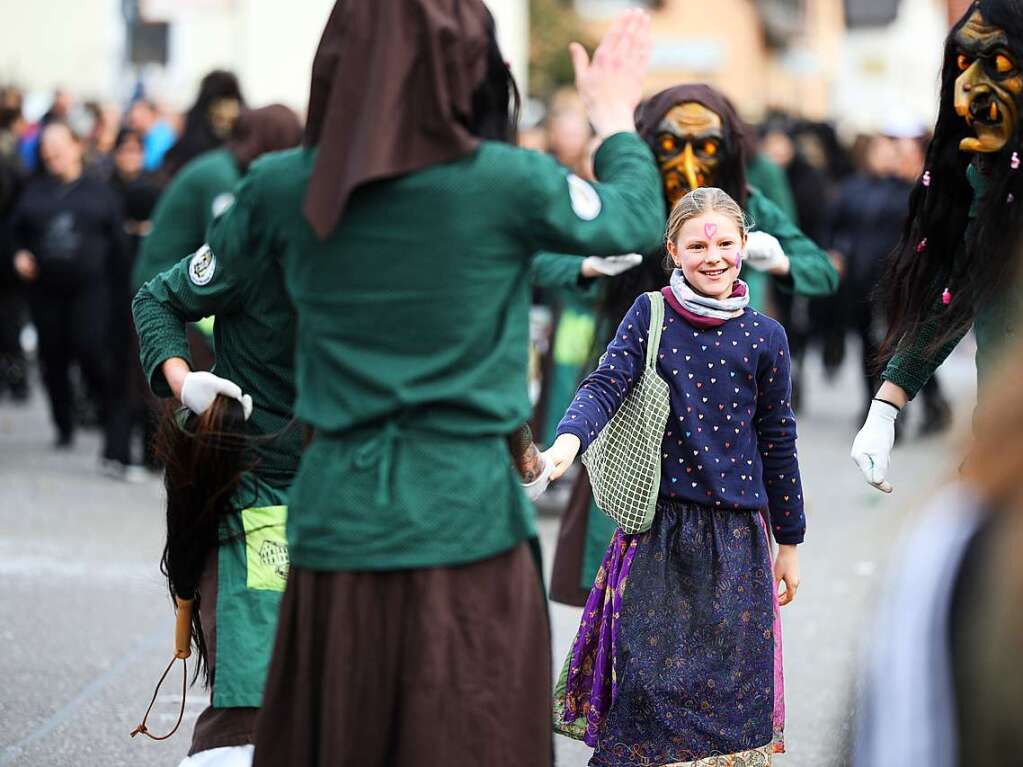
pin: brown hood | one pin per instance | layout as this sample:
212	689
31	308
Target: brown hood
391	93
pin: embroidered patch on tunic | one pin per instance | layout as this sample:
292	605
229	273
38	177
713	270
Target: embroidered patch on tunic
202	266
585	200
267	548
221	203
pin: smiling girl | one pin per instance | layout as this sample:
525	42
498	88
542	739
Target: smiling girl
678	657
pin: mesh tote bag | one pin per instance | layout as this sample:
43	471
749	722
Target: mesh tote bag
624	461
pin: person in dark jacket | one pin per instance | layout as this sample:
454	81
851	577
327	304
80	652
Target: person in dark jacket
868	219
135	409
13	378
66	232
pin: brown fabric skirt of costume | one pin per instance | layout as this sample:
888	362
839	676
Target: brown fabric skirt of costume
571	549
431	667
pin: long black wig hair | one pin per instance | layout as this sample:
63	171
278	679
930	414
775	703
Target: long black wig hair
205	457
940	248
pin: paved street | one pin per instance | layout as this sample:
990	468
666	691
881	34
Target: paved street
86	626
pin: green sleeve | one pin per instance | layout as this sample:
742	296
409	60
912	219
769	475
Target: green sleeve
178	229
770	180
912	366
214	280
558	270
622	213
810	270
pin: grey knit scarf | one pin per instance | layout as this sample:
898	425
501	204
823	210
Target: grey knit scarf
705	306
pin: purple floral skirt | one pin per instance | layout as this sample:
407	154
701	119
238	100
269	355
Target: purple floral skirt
678	655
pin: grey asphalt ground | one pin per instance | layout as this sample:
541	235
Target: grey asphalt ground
86	627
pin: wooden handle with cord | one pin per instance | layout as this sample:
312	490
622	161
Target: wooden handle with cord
183	629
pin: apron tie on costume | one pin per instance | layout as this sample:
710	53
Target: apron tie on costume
379	451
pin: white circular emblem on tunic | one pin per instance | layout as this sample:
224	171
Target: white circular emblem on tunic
202	266
221	203
585	200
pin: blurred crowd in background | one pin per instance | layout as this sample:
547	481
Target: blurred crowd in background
850	199
78	188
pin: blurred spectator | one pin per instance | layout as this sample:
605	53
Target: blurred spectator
568	130
157	134
104	123
67	232
134	408
802	192
13	370
60	110
209	121
868	221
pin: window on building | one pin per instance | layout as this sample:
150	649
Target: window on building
870	13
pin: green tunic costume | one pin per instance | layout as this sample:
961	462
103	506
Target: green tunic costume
994	323
200	191
412	338
255	341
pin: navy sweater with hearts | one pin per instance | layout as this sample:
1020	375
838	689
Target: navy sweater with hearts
730	441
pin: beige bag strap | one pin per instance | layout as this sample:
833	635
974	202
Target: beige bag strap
656	323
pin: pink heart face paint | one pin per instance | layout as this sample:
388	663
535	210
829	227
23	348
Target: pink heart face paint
708	251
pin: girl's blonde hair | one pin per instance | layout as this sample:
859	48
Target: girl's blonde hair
704	200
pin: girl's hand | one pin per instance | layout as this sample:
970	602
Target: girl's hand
611	85
786	568
561	454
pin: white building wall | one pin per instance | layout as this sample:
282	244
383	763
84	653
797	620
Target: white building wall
269	43
892	74
75	44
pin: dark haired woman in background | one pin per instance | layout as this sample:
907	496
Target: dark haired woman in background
226	558
954	267
208	122
413	628
67	236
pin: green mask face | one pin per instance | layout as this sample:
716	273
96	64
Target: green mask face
988	90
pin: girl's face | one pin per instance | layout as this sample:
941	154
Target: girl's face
708	250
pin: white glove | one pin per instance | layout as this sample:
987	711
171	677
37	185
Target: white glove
199	389
872	448
537	487
609	266
764	252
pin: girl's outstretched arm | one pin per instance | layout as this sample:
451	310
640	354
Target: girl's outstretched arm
603	391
